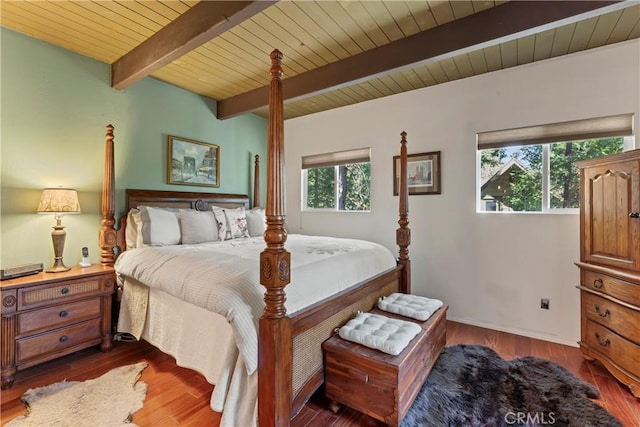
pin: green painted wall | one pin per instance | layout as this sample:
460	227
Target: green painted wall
55	105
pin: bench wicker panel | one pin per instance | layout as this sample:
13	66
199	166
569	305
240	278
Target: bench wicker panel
307	346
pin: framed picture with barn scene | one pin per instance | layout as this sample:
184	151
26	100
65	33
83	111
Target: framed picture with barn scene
193	162
423	173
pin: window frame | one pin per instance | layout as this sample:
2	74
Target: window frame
335	160
620	125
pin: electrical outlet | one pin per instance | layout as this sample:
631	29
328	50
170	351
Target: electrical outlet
544	303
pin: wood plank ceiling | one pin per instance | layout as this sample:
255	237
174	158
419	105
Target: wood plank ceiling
340	52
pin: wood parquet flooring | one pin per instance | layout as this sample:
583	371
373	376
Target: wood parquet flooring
180	397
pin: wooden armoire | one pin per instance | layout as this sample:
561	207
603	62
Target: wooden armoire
610	264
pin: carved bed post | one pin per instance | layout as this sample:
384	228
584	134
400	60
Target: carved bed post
107	236
256	182
274	344
403	233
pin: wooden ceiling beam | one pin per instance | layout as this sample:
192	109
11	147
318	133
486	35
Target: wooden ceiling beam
198	25
499	24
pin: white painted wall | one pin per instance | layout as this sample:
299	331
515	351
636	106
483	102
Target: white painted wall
492	269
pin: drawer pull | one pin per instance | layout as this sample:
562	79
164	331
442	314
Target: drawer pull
604	343
605	314
63	338
634	215
64	291
597	283
63	313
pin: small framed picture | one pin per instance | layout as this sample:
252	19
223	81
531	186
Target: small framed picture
193	162
423	173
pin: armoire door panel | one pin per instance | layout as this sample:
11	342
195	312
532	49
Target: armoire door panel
611	235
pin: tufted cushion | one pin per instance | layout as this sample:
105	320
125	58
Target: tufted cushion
379	332
414	306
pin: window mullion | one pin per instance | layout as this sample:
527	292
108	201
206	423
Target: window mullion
336	188
546	183
305	190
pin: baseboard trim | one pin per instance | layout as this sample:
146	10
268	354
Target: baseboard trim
523	332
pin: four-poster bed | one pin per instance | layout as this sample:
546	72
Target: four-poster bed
289	354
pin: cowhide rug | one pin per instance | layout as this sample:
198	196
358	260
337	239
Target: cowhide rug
472	385
109	400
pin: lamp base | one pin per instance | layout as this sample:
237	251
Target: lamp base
58	236
58	267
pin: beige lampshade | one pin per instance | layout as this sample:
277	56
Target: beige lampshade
59	201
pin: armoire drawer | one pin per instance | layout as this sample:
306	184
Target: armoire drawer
624	291
619	350
58	316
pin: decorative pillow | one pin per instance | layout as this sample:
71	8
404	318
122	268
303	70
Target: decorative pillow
198	227
232	223
237	222
380	332
414	306
256	222
160	227
221	222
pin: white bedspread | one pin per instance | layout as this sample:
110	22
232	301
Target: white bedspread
223	277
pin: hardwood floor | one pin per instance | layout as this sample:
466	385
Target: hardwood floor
180	397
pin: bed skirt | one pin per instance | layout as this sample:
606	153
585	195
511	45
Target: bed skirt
198	339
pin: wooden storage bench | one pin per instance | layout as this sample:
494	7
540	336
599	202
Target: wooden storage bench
378	384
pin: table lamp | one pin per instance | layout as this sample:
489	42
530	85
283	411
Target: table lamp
58	201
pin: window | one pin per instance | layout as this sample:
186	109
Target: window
532	169
339	181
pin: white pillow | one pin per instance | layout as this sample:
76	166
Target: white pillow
232	223
198	227
131	235
256	222
160	227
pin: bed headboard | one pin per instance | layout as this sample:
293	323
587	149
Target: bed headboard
185	200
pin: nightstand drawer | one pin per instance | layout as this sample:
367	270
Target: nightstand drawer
57	340
36	296
57	316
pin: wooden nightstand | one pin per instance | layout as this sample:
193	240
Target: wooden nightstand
48	315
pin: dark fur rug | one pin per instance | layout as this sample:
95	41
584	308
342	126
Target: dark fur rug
472	385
